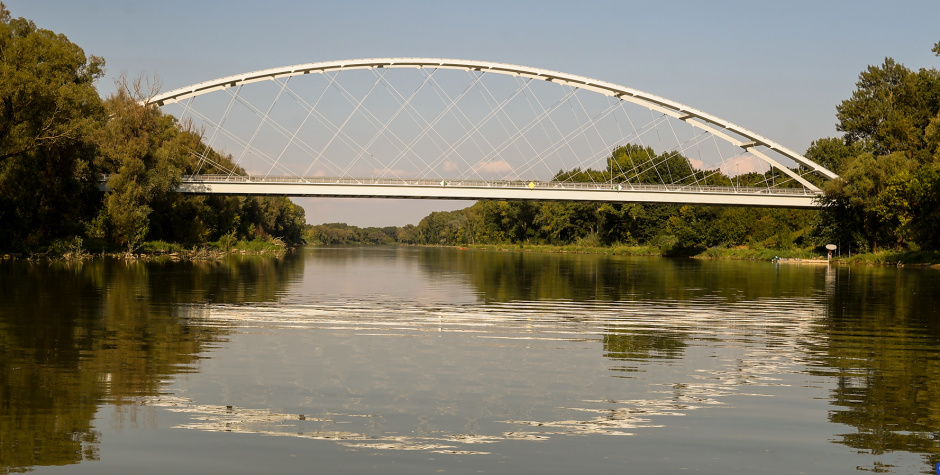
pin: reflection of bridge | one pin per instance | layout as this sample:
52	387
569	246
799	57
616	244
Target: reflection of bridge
456	129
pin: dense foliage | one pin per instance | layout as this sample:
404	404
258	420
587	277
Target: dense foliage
888	157
674	229
58	137
342	233
48	107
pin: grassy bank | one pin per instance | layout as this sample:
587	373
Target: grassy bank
618	250
734	253
740	252
893	258
77	249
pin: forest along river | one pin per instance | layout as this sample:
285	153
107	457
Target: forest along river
404	360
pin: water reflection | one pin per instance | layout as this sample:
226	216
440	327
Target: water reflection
75	336
881	336
452	376
443	351
508	276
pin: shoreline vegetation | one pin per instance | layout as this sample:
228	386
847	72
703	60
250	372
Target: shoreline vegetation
741	253
74	250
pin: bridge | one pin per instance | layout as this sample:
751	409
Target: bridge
432	128
498	190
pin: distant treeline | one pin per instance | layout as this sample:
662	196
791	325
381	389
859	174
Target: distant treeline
674	229
58	137
342	233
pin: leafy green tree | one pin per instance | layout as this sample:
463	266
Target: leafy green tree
407	234
833	153
48	103
143	160
568	221
854	203
614	223
891	128
925	206
333	233
274	216
145	153
890	109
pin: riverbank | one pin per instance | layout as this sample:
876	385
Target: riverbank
75	250
896	258
909	258
736	253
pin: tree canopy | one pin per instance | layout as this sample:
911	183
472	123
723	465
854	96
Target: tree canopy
58	137
48	107
888	159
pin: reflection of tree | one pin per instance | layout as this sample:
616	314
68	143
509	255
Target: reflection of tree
73	337
643	344
519	276
507	276
880	325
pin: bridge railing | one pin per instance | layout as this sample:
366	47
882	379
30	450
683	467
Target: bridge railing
624	186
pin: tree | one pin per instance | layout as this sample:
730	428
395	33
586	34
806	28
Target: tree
48	104
859	204
890	109
143	159
925	206
886	194
833	153
568	221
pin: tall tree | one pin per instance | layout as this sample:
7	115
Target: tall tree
48	104
885	195
833	153
144	160
890	109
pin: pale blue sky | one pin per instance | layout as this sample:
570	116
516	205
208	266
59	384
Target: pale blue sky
777	68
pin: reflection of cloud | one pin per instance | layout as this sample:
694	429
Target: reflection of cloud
511	325
214	418
611	418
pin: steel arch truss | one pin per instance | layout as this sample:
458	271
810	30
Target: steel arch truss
448	153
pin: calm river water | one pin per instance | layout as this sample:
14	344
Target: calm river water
424	360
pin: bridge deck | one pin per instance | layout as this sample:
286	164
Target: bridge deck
499	190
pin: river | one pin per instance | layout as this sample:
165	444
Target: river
400	360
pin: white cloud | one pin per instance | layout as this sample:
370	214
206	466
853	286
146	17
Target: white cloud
743	164
498	166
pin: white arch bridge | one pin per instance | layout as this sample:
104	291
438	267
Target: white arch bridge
458	129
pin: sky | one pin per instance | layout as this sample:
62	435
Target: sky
777	68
